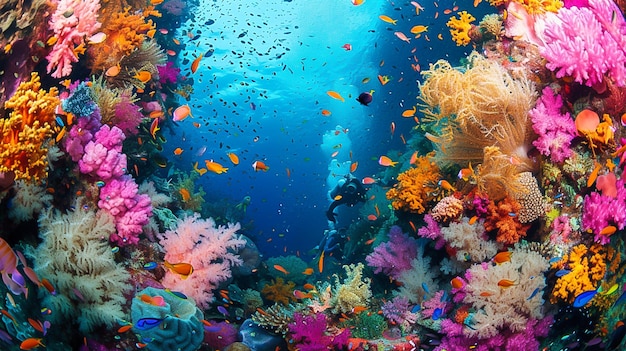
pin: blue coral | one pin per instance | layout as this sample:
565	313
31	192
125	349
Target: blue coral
80	103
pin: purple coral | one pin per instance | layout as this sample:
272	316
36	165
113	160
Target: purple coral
168	73
587	42
555	130
398	311
599	211
309	333
432	231
103	157
394	256
131	210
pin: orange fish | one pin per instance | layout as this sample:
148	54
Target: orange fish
143	76
445	185
388	19
153	300
409	113
61	134
8	259
353	167
288	172
457	283
215	167
486	294
185	195
182	269
201	171
357	2
233	158
309	286
31	343
368	181
392	127
113	71
386	161
154	127
326	113
302	295
46	283
178	151
195	63
501	257
383	79
308	271
280	269
594	174
320	263
372	217
358	309
413	158
608	230
417	30
506	283
466	173
472	220
156	114
260	166
335	95
124	328
181	113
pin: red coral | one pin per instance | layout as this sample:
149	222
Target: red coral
502	217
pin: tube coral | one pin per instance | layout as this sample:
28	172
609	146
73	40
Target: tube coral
208	248
72	22
23	135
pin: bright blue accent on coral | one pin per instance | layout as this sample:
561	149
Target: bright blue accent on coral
80	102
180	326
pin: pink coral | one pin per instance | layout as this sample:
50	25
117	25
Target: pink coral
398	311
310	334
131	210
599	211
168	73
555	130
103	157
72	22
587	42
394	256
432	231
208	248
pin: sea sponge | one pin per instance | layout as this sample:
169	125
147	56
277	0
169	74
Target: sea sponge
76	258
415	186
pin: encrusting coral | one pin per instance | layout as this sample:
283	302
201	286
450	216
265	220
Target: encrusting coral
76	258
24	134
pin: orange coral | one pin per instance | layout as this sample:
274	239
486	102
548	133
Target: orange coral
125	32
279	292
415	186
586	268
503	217
24	133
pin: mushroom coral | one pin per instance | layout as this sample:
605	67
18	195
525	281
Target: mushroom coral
23	148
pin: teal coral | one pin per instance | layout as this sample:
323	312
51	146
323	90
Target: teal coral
181	327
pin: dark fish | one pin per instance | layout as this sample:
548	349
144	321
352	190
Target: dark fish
616	337
209	22
364	98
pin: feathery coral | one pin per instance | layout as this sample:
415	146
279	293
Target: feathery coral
414	187
209	249
352	292
460	27
23	135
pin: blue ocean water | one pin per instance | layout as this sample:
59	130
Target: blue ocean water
261	90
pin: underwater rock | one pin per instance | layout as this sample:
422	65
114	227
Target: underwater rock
166	321
259	339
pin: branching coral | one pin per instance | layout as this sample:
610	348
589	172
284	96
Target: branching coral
279	292
415	186
469	241
460	27
352	292
503	218
584	267
23	135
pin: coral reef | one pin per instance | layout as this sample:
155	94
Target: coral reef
413	190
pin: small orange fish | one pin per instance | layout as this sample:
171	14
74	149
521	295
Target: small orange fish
445	185
506	283
466	173
215	167
457	283
124	328
185	195
326	113
46	283
195	63
335	95
156	114
320	263
280	269
181	113
472	220
61	134
201	171
113	71
353	167
409	113
386	161
233	158
608	230
337	198
486	294
370	241
501	257
178	151
388	19
358	309
260	166
154	128
302	295
36	324
31	343
143	76
309	286
308	271
368	181
182	269
383	79
413	158
372	217
419	29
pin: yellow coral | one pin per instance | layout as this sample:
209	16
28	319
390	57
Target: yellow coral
23	149
459	28
534	6
352	292
587	267
279	292
415	186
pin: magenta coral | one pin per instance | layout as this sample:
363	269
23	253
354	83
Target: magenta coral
72	22
210	249
309	333
599	211
131	210
168	73
103	157
79	135
394	256
432	231
128	116
586	43
438	301
555	130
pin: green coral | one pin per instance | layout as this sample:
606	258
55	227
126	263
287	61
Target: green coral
367	325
